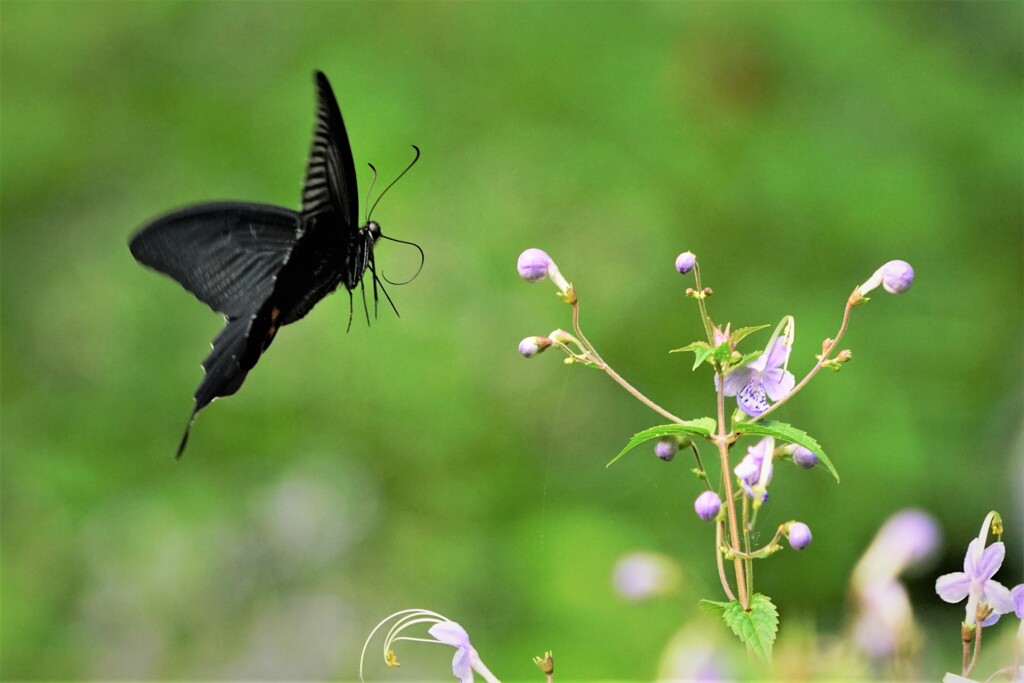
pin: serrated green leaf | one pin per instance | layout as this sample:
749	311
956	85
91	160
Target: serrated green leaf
743	332
691	347
701	356
788	432
712	608
722	353
756	628
747	359
700	349
702	426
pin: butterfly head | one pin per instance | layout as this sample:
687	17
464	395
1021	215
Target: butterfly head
372	230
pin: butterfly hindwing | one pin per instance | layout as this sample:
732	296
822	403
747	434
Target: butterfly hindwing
225	253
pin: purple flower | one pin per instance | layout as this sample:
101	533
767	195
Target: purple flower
443	630
707	505
531	346
1017	593
685	262
666	448
799	535
644	575
533	265
755	470
975	583
804	458
763	378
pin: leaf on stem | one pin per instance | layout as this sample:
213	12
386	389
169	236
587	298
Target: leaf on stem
702	426
787	432
756	628
702	351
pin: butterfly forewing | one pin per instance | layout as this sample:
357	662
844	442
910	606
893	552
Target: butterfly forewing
226	253
330	185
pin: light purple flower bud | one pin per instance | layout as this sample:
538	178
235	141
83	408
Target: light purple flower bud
707	505
666	448
685	262
799	535
531	346
804	458
533	265
897	276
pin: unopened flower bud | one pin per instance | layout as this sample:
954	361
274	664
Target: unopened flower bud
531	346
895	277
804	458
685	262
533	265
707	505
844	356
666	448
799	535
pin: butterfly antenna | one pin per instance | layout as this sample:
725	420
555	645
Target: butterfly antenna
423	259
411	164
373	181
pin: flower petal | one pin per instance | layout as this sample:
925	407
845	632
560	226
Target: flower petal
462	665
990	562
450	633
953	587
779	353
1017	593
736	380
998	597
752	399
778	382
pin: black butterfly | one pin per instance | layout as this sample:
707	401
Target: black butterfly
265	266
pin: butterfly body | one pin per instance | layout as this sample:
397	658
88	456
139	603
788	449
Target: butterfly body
264	266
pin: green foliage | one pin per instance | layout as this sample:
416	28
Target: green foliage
703	426
702	351
789	433
757	628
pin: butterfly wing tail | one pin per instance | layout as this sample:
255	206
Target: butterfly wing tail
226	367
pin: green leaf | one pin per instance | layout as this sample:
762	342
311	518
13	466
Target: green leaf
702	426
788	432
692	347
712	608
739	334
700	349
756	628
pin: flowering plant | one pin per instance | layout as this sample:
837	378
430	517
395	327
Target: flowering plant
760	381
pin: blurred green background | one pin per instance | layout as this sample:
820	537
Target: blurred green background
795	147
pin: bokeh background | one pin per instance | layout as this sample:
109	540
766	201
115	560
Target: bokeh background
795	147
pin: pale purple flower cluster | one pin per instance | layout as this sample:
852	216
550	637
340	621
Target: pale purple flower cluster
975	583
755	470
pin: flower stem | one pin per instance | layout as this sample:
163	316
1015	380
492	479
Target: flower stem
700	303
825	353
722	441
719	528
